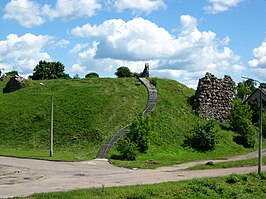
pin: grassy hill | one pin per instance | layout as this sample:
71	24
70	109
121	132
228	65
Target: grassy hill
86	113
89	111
173	118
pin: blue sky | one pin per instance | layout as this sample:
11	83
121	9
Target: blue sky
180	39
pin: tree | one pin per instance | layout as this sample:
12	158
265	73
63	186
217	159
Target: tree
241	122
49	70
245	88
12	73
140	132
123	71
203	137
92	75
137	140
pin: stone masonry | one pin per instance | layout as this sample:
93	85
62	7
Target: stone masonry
214	97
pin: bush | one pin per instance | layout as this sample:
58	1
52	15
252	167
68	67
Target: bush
203	137
153	81
123	72
241	117
140	131
92	75
127	149
239	112
246	134
233	178
137	140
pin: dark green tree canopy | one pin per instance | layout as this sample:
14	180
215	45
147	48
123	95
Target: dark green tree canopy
123	71
92	75
12	73
49	70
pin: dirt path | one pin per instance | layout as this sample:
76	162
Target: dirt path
21	177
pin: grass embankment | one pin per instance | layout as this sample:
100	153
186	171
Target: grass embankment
173	118
233	186
89	111
86	113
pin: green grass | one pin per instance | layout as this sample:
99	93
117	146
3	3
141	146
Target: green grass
173	118
233	186
239	163
89	111
86	113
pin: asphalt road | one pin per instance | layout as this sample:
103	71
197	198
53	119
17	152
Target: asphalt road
23	177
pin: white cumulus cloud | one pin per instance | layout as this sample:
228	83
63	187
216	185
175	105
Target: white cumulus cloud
260	56
31	13
139	40
26	12
68	9
24	52
217	6
258	64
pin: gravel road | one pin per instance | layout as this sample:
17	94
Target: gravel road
23	177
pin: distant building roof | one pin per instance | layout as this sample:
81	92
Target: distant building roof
256	95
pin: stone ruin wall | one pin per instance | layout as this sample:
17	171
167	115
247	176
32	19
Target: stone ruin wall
214	97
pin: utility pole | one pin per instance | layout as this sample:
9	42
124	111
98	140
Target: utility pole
260	131
52	123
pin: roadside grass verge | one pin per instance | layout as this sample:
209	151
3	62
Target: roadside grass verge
233	186
239	163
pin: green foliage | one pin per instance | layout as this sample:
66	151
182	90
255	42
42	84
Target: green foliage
12	73
123	71
49	70
245	88
92	75
241	116
263	85
247	134
137	140
233	178
140	132
153	81
239	112
203	137
127	149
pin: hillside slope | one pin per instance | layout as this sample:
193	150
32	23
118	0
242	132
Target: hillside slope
173	118
86	113
89	111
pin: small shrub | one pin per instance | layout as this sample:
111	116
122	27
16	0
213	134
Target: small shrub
127	149
233	178
203	137
137	140
123	72
153	81
140	131
92	75
241	121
